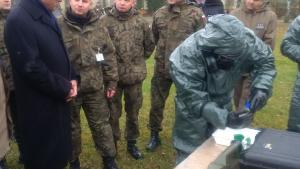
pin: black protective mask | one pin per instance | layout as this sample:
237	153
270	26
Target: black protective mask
215	61
210	58
225	62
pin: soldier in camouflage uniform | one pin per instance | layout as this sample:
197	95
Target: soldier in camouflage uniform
11	106
4	58
98	7
4	138
92	55
134	44
259	17
172	24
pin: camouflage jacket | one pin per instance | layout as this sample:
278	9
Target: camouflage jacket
91	53
263	22
171	26
134	43
4	57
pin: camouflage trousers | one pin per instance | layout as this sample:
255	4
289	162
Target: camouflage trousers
242	92
12	115
133	98
4	140
160	88
96	110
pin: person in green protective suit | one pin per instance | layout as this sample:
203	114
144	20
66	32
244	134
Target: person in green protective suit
205	68
290	47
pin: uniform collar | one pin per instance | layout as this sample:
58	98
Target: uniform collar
176	8
4	13
123	15
72	21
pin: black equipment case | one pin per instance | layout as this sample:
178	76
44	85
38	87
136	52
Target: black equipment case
273	149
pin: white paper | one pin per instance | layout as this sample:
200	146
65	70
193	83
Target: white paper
224	137
99	57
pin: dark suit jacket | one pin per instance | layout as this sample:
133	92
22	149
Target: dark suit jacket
42	75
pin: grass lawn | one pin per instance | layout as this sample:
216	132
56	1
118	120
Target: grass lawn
274	115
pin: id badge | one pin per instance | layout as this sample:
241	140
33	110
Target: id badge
99	56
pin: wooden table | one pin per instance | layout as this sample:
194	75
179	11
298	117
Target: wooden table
202	156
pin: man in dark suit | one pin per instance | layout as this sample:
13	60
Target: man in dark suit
44	83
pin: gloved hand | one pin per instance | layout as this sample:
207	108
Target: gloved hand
215	115
258	99
238	120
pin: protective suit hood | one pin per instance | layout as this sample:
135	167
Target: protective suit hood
225	35
203	98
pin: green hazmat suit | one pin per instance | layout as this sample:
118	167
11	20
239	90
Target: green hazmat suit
204	91
290	47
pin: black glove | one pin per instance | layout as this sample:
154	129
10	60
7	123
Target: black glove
258	99
238	120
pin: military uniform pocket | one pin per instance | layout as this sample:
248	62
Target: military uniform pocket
91	80
139	35
132	75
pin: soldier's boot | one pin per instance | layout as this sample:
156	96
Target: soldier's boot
154	141
133	150
3	164
75	164
109	163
